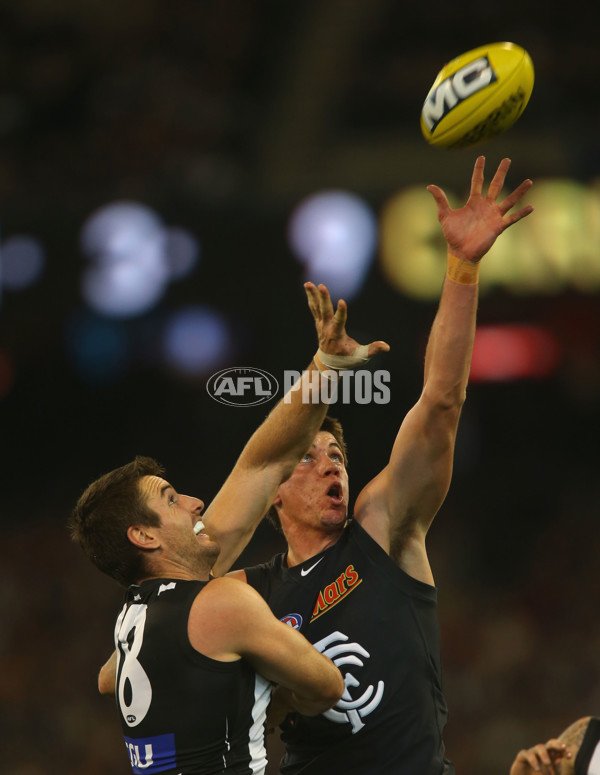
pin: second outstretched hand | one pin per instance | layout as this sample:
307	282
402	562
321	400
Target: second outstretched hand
470	231
277	446
331	327
542	758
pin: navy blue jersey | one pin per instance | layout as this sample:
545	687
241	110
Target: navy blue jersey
379	626
183	713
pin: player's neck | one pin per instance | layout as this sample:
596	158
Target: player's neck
170	569
303	547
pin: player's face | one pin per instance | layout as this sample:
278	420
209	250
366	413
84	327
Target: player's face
316	494
178	515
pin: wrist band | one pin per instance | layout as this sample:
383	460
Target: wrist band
461	271
327	361
330	374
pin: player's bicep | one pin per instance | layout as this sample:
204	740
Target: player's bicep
107	677
283	655
407	494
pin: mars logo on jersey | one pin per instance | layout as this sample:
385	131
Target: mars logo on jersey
151	754
292	620
335	592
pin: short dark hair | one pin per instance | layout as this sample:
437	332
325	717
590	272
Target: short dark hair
329	425
103	514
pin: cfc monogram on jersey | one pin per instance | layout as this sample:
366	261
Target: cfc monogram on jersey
346	657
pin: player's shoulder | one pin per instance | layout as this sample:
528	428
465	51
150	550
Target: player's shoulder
232	609
275	564
263	576
224	585
229	593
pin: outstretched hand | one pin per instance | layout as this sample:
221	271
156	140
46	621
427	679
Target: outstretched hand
331	327
542	758
472	230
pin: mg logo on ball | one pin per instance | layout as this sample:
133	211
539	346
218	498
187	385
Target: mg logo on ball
242	386
453	90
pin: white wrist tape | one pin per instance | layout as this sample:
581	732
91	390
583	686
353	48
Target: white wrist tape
359	357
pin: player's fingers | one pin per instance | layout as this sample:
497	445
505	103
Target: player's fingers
378	347
498	180
325	305
312	296
477	177
546	765
440	198
557	750
341	314
514	197
514	217
528	757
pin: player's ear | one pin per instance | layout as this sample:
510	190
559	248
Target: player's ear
143	536
277	500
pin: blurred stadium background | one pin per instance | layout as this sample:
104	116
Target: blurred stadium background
170	173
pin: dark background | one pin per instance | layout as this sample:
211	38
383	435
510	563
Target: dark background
222	116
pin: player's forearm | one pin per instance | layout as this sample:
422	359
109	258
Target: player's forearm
450	346
404	498
315	684
267	460
289	428
278	652
306	704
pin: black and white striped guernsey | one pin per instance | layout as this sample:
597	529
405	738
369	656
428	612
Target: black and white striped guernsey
183	713
379	626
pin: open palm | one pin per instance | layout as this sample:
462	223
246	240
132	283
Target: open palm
470	231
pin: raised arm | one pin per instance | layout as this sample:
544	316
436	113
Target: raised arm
398	506
275	448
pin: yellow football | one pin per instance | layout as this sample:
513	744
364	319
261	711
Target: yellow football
477	95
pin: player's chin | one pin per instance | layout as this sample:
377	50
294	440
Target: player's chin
208	545
334	517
